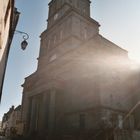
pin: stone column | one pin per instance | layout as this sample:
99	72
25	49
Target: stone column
45	111
33	117
52	107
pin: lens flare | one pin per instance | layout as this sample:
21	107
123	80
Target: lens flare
134	56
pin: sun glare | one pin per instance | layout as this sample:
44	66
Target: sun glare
134	56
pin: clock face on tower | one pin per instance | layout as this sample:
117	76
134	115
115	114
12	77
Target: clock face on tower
56	16
53	57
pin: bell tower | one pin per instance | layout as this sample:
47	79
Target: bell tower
78	77
57	8
69	25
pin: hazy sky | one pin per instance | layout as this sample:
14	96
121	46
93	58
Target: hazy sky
119	20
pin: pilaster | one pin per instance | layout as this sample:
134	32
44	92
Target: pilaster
52	109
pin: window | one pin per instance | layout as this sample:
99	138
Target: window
120	121
78	5
55	39
50	10
84	10
82	121
48	47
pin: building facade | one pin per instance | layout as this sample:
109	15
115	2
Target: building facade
6	121
11	122
17	121
0	127
8	21
82	87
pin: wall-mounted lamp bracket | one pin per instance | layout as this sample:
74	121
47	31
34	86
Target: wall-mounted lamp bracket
25	37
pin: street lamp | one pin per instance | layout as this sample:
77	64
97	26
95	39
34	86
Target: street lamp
25	37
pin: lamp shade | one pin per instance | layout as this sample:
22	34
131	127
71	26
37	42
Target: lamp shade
24	44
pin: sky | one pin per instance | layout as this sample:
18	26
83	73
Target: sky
119	20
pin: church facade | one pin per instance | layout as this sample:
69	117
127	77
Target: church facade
82	86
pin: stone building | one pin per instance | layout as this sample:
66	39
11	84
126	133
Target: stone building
6	121
82	86
12	121
8	21
17	121
0	127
